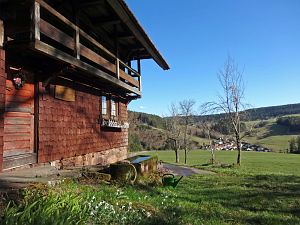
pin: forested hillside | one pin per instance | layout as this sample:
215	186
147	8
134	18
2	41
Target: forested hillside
274	128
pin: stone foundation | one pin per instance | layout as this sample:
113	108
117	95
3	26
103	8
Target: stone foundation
95	158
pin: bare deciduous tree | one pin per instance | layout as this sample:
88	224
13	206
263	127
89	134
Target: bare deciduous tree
208	127
174	130
231	100
186	112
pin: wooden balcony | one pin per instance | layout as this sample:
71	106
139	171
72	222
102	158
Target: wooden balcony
55	36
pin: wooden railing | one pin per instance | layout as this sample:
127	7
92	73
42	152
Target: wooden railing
74	41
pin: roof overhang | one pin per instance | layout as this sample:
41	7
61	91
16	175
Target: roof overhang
128	18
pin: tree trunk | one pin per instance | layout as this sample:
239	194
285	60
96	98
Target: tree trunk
185	142
176	155
238	145
212	149
213	160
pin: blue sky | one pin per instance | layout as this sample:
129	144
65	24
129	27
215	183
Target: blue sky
196	36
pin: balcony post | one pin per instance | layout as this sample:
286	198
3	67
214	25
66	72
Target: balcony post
77	43
129	64
1	33
117	51
75	10
35	22
139	71
118	68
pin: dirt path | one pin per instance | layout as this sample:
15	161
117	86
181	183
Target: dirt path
183	170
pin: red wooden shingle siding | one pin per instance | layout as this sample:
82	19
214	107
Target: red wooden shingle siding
19	119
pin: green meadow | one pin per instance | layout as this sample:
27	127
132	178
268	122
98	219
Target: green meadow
264	190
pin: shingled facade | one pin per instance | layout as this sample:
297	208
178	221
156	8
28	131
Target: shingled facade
66	79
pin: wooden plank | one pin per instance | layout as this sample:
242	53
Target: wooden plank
9	153
106	64
55	13
16	137
64	93
17	121
21	99
56	34
17	129
14	161
18	94
130	79
18	109
18	104
96	43
12	145
59	55
36	118
68	22
130	69
93	56
32	137
16	115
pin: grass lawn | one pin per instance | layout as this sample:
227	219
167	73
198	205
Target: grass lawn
265	190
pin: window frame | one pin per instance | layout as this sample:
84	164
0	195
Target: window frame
102	108
116	108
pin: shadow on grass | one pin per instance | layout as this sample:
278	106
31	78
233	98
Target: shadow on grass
251	199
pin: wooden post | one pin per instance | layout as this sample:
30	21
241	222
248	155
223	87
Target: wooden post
118	68
77	43
117	51
129	64
75	11
139	71
35	19
1	33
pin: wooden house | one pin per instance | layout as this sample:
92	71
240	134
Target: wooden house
66	79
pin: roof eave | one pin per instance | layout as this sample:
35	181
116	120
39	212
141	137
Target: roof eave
125	14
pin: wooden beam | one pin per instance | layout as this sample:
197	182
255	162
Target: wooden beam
107	22
128	18
91	55
77	43
126	37
55	13
1	33
57	54
35	19
91	3
56	34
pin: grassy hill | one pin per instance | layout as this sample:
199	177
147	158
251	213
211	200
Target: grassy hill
265	132
271	135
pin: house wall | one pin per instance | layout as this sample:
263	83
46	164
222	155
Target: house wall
2	101
70	133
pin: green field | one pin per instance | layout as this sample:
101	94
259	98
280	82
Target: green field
264	190
271	135
252	162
